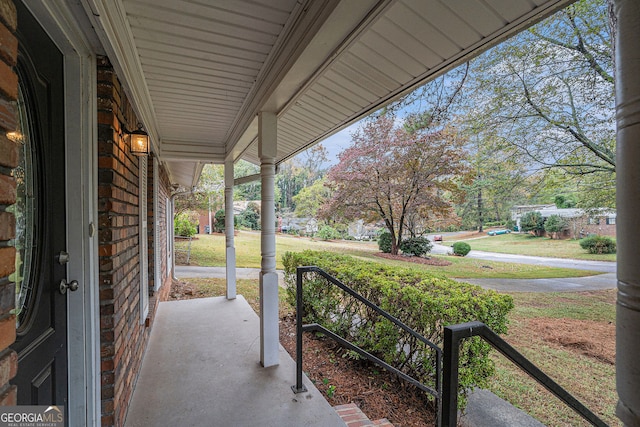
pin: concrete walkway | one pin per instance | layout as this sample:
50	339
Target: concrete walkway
201	368
185	271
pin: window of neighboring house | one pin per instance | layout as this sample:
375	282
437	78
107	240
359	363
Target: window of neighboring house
611	220
594	220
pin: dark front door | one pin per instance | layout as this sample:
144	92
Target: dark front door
41	309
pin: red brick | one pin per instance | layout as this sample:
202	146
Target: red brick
106	420
10	398
7	190
8	81
9	14
8	45
7	226
9	152
8	366
7	263
7	331
8	115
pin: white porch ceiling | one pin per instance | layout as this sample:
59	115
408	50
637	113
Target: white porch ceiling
199	71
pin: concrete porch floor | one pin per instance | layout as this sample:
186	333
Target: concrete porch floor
202	368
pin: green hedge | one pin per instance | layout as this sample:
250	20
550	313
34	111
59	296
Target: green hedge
417	246
423	301
385	242
461	248
598	245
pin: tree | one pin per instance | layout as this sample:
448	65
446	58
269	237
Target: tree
310	199
250	190
555	225
549	92
298	173
208	194
532	221
497	179
250	217
564	201
390	172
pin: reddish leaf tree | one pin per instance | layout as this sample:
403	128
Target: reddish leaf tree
391	173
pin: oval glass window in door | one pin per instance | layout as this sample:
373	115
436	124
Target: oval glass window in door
25	211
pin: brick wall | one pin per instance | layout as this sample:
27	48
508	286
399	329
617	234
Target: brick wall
9	157
122	336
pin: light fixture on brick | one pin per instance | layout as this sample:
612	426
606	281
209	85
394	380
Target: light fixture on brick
139	142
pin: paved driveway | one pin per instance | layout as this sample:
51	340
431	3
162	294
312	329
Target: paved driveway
572	284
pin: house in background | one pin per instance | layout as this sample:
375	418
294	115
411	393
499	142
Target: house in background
86	224
580	223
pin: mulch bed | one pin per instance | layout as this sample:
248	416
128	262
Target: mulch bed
416	259
342	380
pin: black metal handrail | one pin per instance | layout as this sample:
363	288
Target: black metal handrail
456	333
299	386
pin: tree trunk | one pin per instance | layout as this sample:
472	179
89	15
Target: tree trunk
480	219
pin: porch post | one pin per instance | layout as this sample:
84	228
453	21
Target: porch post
267	150
229	230
627	57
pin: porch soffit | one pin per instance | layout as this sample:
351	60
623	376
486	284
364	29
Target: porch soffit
198	71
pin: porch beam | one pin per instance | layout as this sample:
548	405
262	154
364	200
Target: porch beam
627	58
229	230
267	149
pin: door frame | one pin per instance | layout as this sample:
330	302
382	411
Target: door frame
66	26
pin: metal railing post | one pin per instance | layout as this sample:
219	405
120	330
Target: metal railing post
451	356
299	387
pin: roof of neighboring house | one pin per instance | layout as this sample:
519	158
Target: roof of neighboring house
547	210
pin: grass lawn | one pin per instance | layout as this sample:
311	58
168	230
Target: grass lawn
526	244
209	250
539	331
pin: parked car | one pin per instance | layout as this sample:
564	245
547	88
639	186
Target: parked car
498	232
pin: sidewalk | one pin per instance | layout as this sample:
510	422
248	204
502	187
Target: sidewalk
188	271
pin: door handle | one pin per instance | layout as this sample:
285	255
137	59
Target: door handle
72	286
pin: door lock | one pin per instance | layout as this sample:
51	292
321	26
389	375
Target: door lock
72	286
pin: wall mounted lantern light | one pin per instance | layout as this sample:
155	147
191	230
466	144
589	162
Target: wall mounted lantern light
139	142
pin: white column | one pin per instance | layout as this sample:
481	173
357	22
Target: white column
627	50
267	150
229	230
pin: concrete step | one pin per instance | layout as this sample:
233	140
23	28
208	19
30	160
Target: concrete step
354	417
485	409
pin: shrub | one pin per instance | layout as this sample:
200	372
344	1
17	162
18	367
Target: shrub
384	242
555	224
423	301
417	246
510	224
219	221
250	217
461	248
327	233
532	221
183	226
598	245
